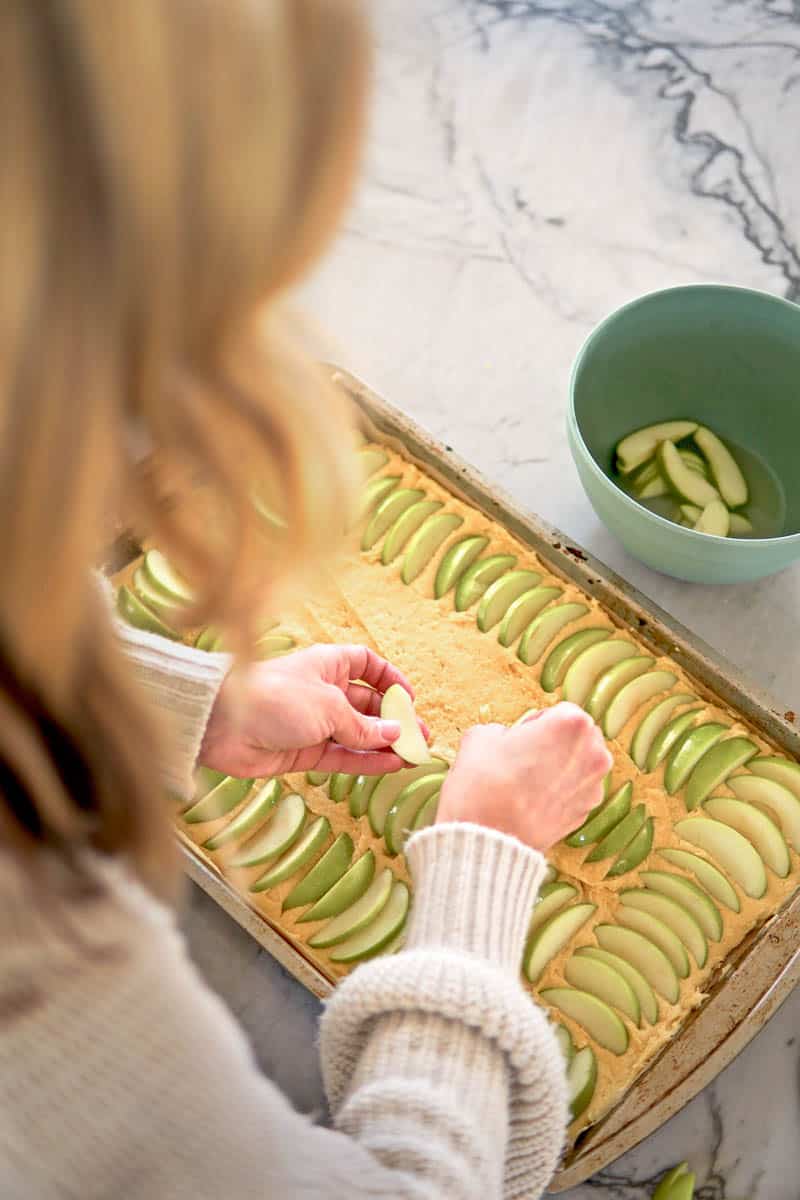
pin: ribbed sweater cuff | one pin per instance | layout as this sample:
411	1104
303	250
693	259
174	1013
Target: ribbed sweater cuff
182	684
474	890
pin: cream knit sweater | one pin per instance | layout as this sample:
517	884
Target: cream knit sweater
123	1077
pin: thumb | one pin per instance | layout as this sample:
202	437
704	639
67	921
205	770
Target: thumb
359	732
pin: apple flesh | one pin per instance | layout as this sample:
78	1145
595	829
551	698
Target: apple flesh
397	705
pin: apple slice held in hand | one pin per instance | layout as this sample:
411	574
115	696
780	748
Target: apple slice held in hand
411	746
594	1015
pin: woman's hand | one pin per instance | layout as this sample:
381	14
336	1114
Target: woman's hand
302	712
537	781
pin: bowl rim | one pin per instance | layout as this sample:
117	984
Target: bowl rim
574	424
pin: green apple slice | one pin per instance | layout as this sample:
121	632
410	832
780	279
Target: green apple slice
581	1081
619	837
694	461
137	614
426	541
405	526
631	696
688	753
477	577
397	705
565	1043
383	929
587	668
283	829
642	953
643	475
387	513
549	939
690	897
390	786
376	491
706	873
752	823
601	823
502	593
323	875
686	484
251	817
691	513
274	644
785	805
551	899
345	891
660	934
313	839
219	801
151	596
362	789
595	1016
604	982
733	852
645	996
208	639
339	786
635	852
782	770
401	816
358	915
672	733
652	724
637	447
656	487
714	519
677	1184
550	874
674	916
542	629
427	814
371	460
724	468
317	778
715	767
613	680
455	562
561	658
205	778
741	526
165	579
523	610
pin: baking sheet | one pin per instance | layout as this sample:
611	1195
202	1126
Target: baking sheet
767	964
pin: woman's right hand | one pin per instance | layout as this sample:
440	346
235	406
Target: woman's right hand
537	781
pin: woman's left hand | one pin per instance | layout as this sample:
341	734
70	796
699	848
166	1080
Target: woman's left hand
303	712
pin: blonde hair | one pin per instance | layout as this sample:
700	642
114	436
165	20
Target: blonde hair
170	167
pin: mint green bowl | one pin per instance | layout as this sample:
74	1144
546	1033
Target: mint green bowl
725	356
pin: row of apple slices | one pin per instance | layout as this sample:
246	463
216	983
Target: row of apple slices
396	805
365	912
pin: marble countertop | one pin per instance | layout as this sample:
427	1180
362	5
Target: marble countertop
531	166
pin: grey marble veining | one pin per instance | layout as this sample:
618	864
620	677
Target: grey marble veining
531	166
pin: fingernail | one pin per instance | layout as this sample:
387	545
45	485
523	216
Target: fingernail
390	730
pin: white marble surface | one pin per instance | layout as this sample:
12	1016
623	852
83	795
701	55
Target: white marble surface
530	167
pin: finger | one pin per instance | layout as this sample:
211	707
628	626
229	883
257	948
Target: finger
363	663
364	699
356	731
353	762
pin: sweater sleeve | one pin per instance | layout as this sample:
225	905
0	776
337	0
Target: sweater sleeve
444	1078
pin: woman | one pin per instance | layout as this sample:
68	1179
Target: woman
169	167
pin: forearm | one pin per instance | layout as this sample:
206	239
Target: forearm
436	1057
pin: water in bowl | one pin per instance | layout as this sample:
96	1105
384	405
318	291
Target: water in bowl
766	507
